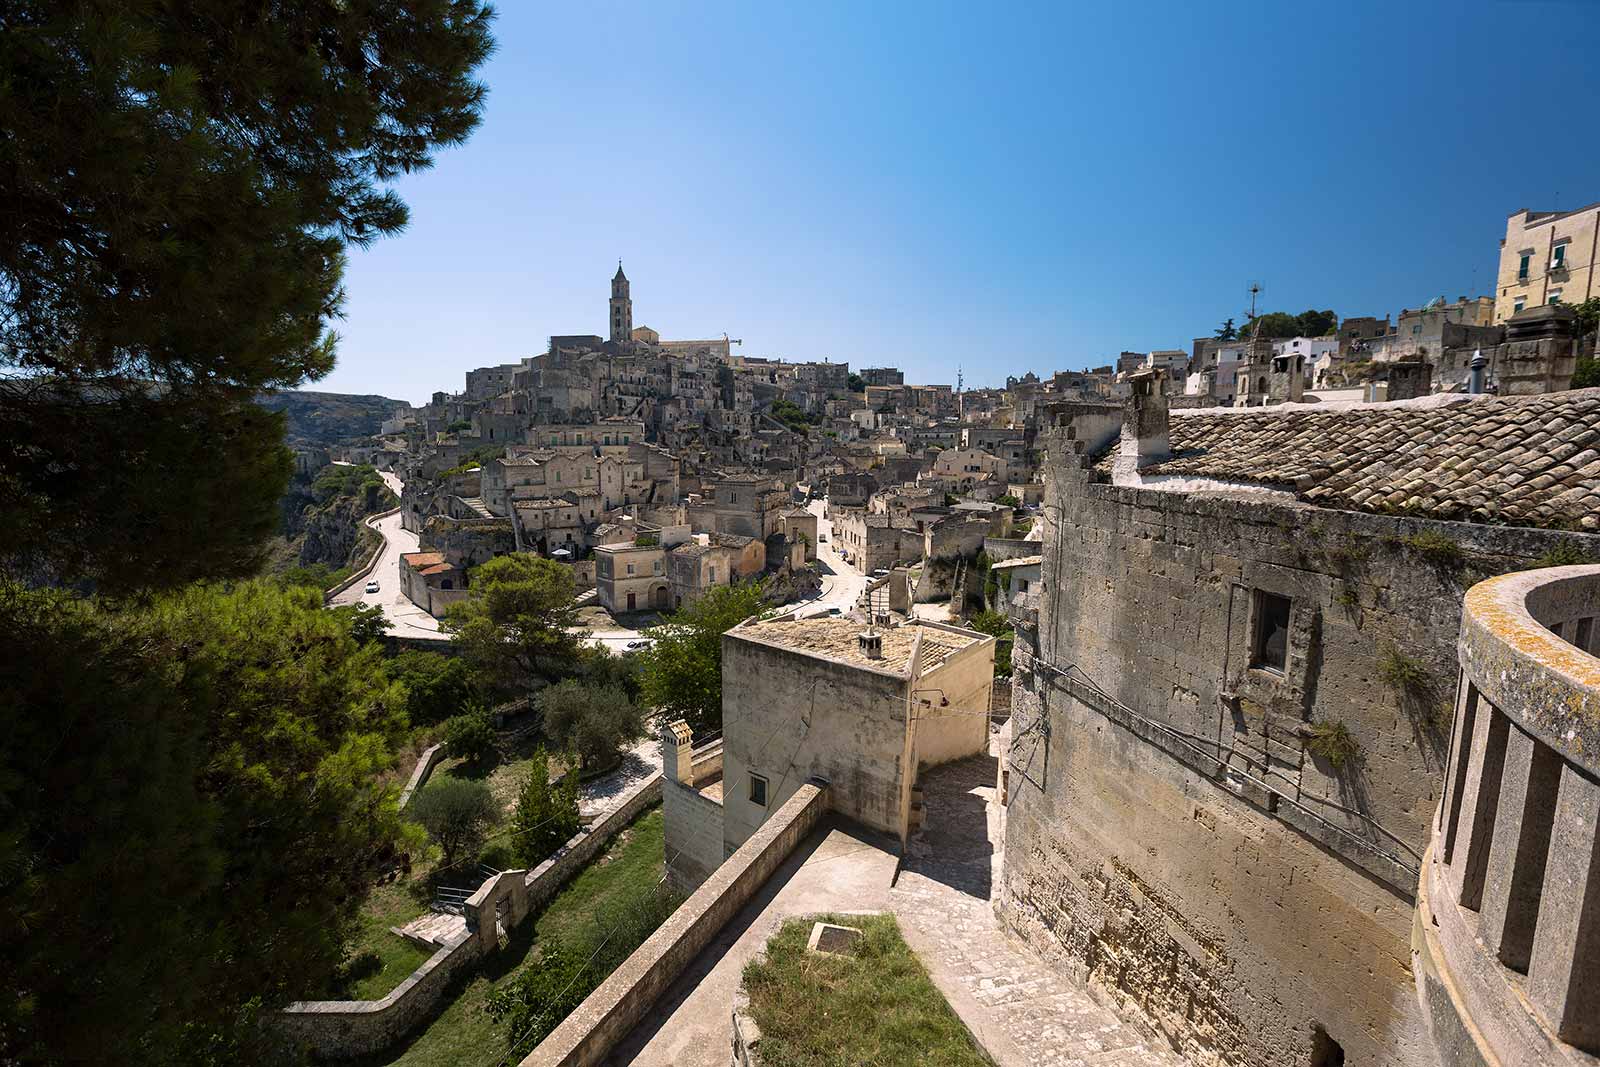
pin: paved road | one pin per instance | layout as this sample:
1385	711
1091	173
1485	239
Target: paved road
405	618
842	584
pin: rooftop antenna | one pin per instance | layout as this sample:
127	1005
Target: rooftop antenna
958	378
1255	290
734	341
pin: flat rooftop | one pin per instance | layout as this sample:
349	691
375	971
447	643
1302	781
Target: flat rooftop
833	638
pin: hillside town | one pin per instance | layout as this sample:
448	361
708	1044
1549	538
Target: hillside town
654	702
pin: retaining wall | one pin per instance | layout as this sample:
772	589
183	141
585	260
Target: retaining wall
340	1029
372	561
607	1015
419	774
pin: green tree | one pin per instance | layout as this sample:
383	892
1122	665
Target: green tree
1586	374
1227	331
179	185
997	626
437	686
546	815
593	722
457	813
178	782
470	736
516	625
366	622
1009	501
856	383
1588	315
682	668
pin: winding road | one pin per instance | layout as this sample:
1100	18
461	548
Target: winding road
405	618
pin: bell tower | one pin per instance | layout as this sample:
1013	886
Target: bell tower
621	307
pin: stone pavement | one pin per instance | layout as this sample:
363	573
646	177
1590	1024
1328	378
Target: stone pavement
1023	1013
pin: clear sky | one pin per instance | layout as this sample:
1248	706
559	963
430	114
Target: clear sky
998	187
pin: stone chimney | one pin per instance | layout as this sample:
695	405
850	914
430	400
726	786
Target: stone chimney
871	643
677	752
1144	422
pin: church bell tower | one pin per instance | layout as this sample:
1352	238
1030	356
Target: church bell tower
621	307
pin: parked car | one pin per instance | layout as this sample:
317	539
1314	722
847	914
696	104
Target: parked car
822	539
880	573
372	586
636	645
832	611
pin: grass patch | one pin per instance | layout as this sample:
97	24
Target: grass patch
504	771
464	1034
379	960
877	1007
1437	549
1334	743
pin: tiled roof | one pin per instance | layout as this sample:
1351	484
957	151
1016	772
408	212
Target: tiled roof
1524	461
417	561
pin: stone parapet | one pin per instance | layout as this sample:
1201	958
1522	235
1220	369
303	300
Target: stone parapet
1507	930
588	1035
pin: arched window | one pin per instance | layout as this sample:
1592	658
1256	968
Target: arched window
1261	385
446	583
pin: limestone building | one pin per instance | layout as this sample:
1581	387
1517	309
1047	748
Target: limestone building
1547	257
825	698
1230	724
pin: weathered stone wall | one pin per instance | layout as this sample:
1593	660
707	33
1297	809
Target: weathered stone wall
586	1036
800	716
467	543
1169	835
692	821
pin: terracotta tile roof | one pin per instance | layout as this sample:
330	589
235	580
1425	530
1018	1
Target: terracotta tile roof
418	560
1523	461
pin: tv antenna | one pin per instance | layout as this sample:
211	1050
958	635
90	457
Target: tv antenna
1255	290
735	341
958	378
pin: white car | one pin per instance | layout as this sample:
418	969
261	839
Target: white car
372	586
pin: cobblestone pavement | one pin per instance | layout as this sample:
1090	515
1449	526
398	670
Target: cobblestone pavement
1023	1012
597	797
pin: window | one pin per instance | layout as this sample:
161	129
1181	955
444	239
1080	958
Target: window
1555	296
1558	258
1518	304
1269	646
630	568
1522	269
1416	331
758	790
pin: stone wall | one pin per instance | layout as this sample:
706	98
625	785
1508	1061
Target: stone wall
693	825
1004	548
586	1036
341	1029
1170	837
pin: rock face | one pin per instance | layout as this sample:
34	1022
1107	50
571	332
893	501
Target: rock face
323	419
322	523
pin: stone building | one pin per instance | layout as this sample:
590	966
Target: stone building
709	560
1227	734
430	582
821	697
631	577
1547	257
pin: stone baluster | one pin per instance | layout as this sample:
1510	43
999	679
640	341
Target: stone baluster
1515	875
1480	799
1564	972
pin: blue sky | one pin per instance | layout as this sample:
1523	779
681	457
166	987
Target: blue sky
999	187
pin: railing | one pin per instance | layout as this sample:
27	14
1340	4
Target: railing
1508	920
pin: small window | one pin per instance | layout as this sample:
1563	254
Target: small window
1558	258
1518	304
1555	296
1522	269
630	568
758	790
1269	647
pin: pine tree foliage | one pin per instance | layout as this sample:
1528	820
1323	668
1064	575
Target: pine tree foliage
179	183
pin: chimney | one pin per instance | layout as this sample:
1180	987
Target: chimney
1144	422
871	643
677	752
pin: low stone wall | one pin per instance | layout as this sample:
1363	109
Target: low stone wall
366	568
586	1036
1003	548
340	1029
419	774
552	874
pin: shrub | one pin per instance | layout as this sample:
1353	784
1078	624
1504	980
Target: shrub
594	722
437	686
1437	549
470	736
456	812
1333	742
1403	674
1563	554
999	627
1586	373
546	816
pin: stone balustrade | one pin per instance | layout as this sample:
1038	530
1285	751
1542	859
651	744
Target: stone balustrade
1507	934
